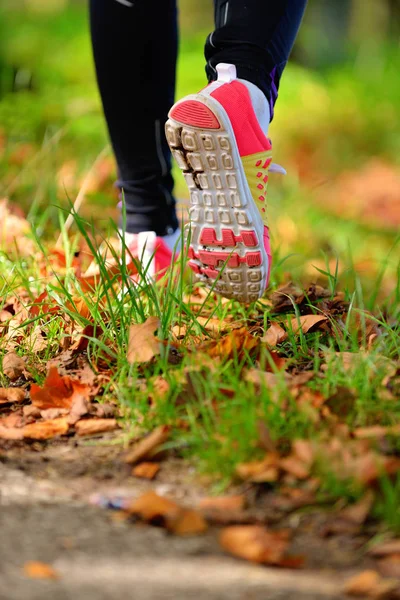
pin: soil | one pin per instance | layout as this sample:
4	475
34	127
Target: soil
47	514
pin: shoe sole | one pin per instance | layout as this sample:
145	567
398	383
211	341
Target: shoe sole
226	248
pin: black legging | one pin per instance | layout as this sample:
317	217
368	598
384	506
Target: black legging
135	49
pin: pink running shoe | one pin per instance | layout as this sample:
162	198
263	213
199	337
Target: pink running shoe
151	251
218	143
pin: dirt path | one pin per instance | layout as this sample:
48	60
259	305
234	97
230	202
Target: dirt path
46	515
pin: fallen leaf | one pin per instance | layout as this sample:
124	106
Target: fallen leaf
385	548
52	413
223	503
58	391
11	395
362	584
389	566
187	522
94	426
13	231
233	344
264	436
79	408
274	335
375	431
357	513
45	430
158	510
149	445
11	433
259	471
294	466
40	570
307	323
143	345
13	366
255	543
146	470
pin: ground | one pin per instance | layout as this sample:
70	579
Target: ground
283	413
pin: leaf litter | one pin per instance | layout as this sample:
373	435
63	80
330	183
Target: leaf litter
67	403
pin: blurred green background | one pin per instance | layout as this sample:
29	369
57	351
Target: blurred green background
336	128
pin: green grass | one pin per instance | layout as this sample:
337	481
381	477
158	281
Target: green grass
339	119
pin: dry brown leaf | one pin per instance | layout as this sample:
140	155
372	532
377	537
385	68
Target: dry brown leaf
385	548
40	570
143	345
80	407
52	413
157	510
357	513
223	503
363	584
213	325
389	566
307	323
266	470
294	466
146	470
231	345
375	431
11	433
304	451
45	430
35	341
187	522
94	426
255	543
274	335
264	436
149	445
13	231
13	366
58	391
11	395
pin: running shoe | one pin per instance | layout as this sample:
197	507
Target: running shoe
151	251
218	143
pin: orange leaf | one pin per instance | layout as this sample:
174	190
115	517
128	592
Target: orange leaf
146	470
11	395
45	430
233	344
187	522
307	323
40	570
93	426
78	306
11	433
274	335
362	584
260	471
157	510
143	345
294	466
224	503
255	543
58	391
148	445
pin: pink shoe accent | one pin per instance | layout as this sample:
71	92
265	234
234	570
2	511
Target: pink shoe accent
267	246
235	99
209	238
233	260
195	113
162	256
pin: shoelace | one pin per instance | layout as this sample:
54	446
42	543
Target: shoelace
275	168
